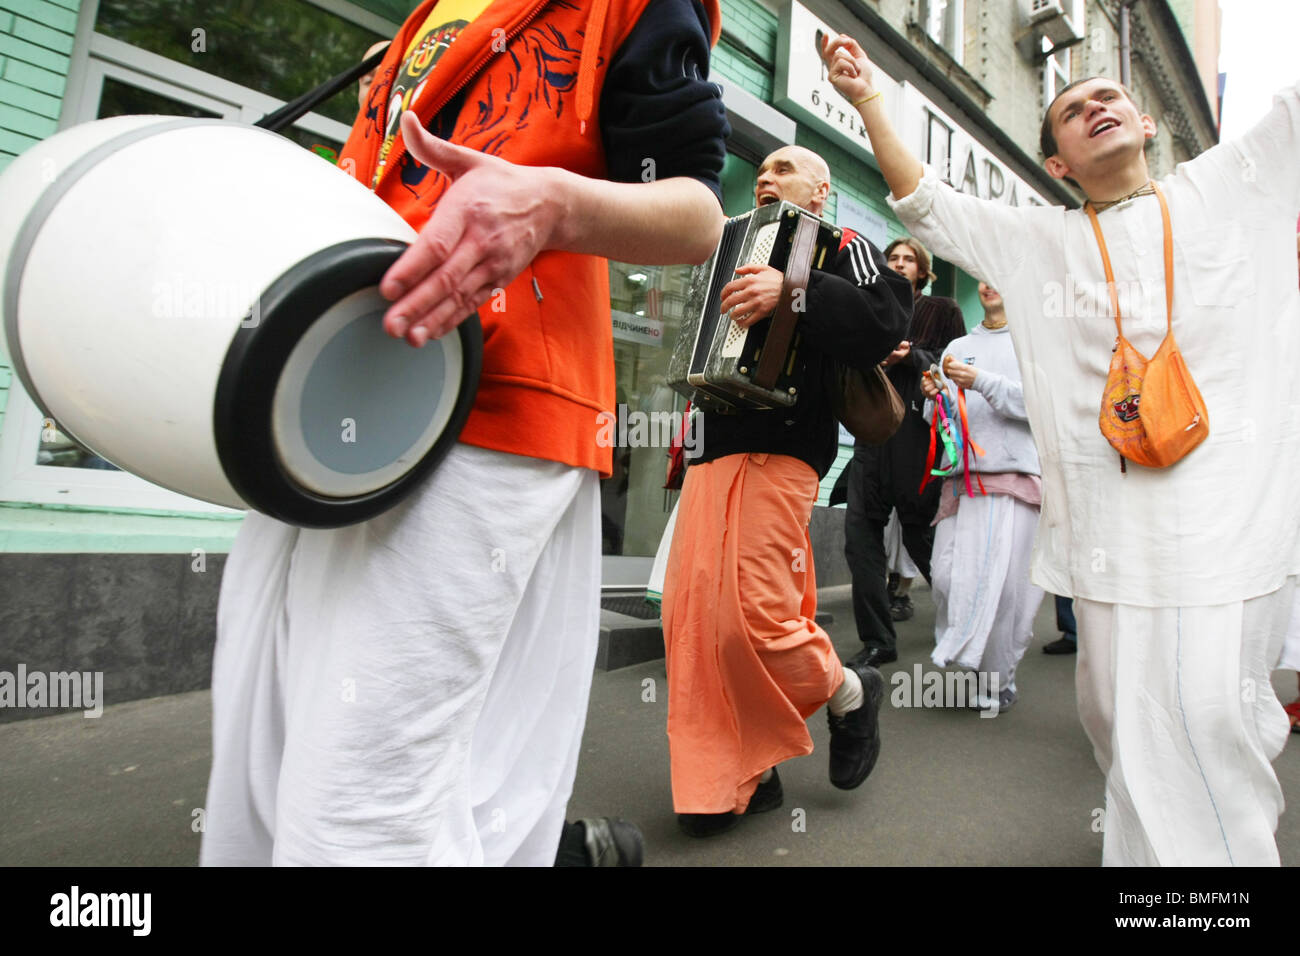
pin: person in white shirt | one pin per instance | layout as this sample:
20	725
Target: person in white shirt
988	510
1182	576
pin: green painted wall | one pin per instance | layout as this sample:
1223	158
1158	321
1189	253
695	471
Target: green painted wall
45	528
35	44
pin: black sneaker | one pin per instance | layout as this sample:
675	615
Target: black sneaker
613	842
768	796
1062	646
901	608
855	736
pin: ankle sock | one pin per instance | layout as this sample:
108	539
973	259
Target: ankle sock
848	696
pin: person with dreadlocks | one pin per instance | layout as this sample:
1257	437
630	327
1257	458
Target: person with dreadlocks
887	477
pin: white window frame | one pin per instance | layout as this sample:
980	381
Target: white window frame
934	28
1056	71
96	57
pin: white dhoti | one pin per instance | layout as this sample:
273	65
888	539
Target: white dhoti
984	601
1290	659
413	689
654	589
1183	720
897	560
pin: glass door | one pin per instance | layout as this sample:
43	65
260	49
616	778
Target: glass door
647	304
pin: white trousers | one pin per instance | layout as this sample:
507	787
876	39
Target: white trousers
897	560
1184	723
410	690
984	601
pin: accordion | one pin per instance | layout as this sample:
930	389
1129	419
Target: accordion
720	365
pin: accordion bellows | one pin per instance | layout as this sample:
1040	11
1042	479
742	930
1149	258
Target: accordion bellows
715	361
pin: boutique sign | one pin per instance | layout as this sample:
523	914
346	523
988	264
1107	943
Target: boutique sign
804	91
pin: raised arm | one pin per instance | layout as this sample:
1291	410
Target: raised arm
986	239
850	73
1259	170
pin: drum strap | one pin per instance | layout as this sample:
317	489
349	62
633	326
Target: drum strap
294	110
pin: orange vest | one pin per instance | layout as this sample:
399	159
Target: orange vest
534	72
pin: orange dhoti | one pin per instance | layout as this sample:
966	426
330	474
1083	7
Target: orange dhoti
747	663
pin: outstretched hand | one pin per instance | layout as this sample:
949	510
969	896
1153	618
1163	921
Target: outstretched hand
488	226
847	66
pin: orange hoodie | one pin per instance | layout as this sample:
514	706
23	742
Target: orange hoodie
548	354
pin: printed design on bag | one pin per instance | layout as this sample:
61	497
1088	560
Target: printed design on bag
1127	408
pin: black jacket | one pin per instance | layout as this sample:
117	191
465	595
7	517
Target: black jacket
893	471
858	310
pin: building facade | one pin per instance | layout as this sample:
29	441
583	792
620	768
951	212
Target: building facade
91	557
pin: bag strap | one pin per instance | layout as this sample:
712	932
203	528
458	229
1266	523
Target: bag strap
1169	261
797	270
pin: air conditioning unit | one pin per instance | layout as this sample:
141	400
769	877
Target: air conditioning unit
1058	20
1036	11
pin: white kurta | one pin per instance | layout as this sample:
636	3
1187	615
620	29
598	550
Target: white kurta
1184	574
1223	524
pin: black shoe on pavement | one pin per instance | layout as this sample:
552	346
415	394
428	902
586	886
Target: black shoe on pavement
768	796
872	657
901	609
1062	646
612	842
855	736
706	824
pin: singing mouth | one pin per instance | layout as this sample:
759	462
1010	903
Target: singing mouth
1103	126
765	199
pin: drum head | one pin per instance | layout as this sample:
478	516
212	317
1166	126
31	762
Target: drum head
324	420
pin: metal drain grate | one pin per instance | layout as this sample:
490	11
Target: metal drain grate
633	606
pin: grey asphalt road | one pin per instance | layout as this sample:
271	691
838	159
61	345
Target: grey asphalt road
951	788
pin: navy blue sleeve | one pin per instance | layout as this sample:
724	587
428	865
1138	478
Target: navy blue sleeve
859	309
657	103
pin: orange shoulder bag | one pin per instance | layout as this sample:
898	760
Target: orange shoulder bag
1152	412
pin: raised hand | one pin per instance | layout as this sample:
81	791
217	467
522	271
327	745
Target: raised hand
848	67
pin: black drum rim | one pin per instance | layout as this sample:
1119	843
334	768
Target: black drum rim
250	372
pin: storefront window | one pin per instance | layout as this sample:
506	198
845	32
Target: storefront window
282	48
647	305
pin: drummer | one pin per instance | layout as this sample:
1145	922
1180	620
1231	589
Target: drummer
412	690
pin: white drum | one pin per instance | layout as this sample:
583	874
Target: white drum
196	301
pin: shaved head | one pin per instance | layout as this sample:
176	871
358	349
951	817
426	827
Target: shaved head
805	158
796	174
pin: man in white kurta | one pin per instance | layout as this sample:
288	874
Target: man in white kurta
1182	576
